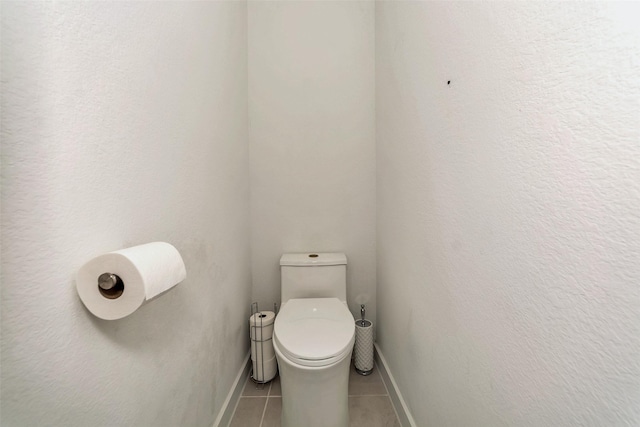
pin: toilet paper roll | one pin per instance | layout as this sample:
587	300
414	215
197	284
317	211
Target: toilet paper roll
261	325
263	372
142	272
262	348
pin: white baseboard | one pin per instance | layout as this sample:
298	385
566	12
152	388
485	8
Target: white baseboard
229	406
404	416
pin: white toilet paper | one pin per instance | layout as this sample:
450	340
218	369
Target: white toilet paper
145	272
261	325
263	355
262	350
265	372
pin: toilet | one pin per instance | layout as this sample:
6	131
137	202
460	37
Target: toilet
313	338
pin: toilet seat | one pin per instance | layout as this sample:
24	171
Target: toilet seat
314	332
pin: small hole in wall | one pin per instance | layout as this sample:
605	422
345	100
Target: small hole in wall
448	81
313	256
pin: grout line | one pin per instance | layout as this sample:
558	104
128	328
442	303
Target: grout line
233	414
264	411
266	403
247	382
233	397
395	411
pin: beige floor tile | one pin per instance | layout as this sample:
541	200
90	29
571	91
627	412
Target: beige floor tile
369	405
371	411
253	389
249	412
275	387
272	413
370	385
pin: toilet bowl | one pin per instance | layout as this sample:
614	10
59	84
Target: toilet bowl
313	339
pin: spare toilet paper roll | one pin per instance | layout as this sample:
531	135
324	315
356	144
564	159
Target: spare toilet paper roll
261	325
262	350
263	372
140	273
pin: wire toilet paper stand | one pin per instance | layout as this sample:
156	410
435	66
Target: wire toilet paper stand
261	342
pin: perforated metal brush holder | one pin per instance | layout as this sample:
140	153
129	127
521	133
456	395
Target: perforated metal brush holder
363	351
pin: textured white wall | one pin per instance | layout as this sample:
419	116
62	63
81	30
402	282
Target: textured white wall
123	123
311	113
508	211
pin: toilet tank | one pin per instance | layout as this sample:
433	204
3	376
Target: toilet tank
313	275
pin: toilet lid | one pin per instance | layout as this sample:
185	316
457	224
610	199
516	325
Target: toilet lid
312	330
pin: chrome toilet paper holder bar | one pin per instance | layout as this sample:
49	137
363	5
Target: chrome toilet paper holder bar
110	285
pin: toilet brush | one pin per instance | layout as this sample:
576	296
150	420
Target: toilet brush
364	344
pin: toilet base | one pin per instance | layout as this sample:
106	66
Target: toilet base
314	396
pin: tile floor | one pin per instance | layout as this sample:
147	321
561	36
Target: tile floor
369	403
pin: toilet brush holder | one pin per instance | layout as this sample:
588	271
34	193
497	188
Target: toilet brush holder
363	351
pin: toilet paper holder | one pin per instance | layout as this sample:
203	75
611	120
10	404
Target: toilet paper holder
261	342
115	284
110	285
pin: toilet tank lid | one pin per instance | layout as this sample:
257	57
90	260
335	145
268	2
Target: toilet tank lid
311	259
